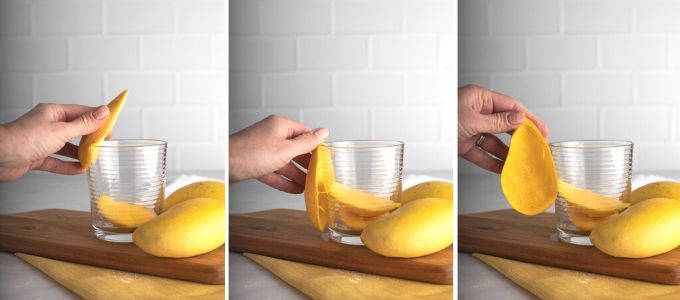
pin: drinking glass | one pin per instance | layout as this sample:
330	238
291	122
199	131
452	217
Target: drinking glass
370	173
594	179
126	183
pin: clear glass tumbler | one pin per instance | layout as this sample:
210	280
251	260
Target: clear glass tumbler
367	185
127	183
593	184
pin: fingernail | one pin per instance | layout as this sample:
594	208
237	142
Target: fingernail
101	112
517	117
321	133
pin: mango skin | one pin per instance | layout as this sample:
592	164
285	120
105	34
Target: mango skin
646	229
428	189
189	228
418	228
201	189
659	189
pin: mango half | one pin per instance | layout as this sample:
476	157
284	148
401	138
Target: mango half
659	189
646	229
528	179
417	228
189	228
88	154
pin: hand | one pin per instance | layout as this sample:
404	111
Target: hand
481	111
266	151
27	143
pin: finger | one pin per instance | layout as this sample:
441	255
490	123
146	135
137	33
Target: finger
306	142
494	146
88	123
293	173
281	184
292	128
498	122
69	150
303	160
55	165
73	111
504	103
484	160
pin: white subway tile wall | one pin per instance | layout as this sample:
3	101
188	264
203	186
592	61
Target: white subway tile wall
591	69
170	54
365	69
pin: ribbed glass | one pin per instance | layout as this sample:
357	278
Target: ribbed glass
594	168
131	171
374	167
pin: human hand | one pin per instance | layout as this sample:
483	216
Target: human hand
484	112
27	143
266	151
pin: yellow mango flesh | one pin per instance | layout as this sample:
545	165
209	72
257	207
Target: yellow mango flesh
319	177
123	214
582	221
646	229
418	228
528	179
88	154
202	189
589	202
360	202
190	228
429	189
355	221
660	189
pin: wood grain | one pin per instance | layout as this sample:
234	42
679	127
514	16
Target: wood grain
511	235
67	235
288	234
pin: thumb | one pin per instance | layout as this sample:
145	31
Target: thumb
500	122
88	122
306	142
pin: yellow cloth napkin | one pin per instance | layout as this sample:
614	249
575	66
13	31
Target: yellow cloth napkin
99	283
327	283
554	283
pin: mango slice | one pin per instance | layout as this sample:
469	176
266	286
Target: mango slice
659	189
589	202
355	221
583	221
190	228
429	189
646	229
201	189
88	154
319	177
418	228
360	202
123	214
528	179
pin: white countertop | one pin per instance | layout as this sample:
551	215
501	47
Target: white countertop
35	191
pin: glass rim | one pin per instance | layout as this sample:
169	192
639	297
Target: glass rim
353	144
584	144
130	143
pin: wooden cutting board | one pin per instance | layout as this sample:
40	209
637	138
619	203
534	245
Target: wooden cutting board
509	234
67	235
288	234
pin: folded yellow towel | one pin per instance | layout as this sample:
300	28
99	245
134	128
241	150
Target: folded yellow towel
554	283
327	283
99	283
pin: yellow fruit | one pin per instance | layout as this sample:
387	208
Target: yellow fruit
360	202
319	176
589	202
528	179
202	189
190	228
429	189
660	189
355	221
418	228
646	229
88	154
123	214
584	222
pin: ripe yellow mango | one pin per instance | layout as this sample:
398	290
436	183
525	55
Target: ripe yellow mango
190	228
418	228
320	176
201	189
646	229
88	154
528	179
429	189
660	189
